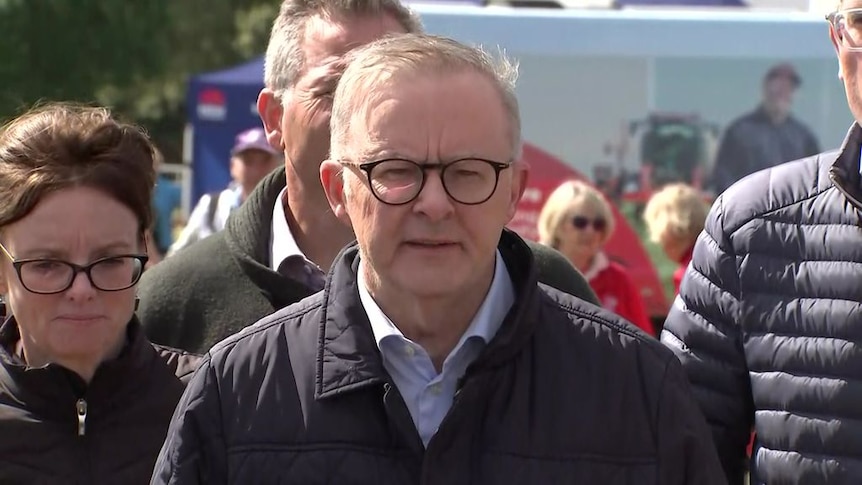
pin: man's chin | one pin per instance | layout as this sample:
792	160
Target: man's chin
431	284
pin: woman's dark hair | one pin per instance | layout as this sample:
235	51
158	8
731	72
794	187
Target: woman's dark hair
58	146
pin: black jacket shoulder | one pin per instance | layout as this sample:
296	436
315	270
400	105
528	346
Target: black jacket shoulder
784	185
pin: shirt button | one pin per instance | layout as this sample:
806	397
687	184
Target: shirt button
409	350
435	389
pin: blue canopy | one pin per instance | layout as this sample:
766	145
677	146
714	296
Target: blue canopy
220	104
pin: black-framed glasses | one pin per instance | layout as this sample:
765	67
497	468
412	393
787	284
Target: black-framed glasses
47	276
848	27
599	224
468	181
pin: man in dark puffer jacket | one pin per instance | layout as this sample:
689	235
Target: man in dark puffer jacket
768	323
433	355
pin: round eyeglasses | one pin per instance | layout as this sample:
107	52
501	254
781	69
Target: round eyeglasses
847	25
50	276
468	181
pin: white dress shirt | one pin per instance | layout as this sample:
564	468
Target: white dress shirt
284	250
429	395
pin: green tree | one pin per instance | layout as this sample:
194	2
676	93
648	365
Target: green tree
135	57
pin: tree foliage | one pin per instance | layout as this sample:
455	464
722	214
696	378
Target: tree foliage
133	56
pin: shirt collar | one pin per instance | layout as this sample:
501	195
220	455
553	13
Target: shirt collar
282	244
600	263
485	324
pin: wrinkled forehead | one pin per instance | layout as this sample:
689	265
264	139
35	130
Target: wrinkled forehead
364	90
383	101
329	37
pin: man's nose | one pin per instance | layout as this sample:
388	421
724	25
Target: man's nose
433	201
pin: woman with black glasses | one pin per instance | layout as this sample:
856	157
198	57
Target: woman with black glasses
84	397
577	221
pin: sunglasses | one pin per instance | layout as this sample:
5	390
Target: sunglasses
581	223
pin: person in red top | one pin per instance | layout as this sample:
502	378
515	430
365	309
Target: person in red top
680	270
674	217
577	221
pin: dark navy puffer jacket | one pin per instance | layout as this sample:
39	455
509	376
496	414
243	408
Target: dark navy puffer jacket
768	324
565	393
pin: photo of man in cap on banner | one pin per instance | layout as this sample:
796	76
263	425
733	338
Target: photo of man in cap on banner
767	136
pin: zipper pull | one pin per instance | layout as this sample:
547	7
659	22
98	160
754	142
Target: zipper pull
81	408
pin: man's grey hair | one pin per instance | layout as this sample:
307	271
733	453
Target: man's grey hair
285	59
371	66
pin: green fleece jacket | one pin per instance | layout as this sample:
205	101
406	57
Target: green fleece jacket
217	286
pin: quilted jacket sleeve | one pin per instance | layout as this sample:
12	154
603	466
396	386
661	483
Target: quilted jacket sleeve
703	330
194	451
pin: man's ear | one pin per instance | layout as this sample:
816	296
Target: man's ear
835	40
332	180
270	109
520	177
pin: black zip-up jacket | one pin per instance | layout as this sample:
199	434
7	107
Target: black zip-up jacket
564	393
768	324
55	429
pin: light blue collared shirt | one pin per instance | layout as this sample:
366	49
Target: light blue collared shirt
429	395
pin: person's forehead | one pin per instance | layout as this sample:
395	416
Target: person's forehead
851	4
468	99
585	205
330	37
95	214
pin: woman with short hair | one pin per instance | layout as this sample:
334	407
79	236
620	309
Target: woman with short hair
84	397
577	221
674	217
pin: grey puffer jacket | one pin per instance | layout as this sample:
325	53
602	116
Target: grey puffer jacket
768	324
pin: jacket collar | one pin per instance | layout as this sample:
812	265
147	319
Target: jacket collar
844	171
348	357
52	390
248	232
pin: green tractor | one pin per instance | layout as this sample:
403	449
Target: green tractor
673	148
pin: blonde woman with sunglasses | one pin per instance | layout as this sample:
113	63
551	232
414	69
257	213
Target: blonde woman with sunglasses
577	220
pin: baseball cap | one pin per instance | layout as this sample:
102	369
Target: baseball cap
252	139
784	70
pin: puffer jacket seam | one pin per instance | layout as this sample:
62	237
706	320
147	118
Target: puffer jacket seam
770	211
